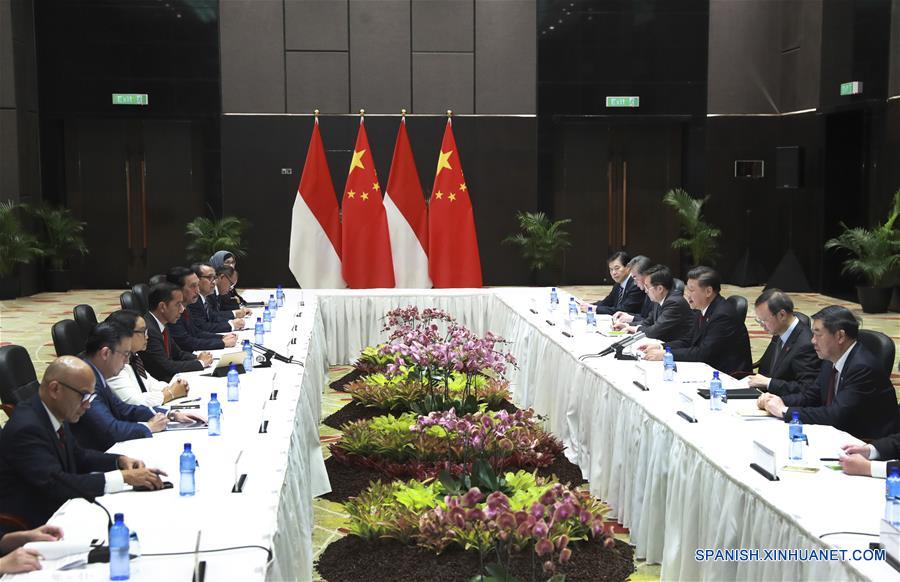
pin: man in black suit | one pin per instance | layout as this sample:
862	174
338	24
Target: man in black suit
719	338
873	460
110	420
637	266
671	318
852	392
41	463
163	358
790	362
186	334
203	314
226	281
625	294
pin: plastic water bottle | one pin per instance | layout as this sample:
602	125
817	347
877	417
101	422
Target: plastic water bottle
279	296
119	567
267	320
248	355
795	427
669	367
573	309
214	416
188	463
260	331
717	396
234	382
554	298
892	497
591	317
273	305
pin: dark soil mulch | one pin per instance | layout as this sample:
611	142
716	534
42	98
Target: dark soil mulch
352	559
351	376
350	480
354	411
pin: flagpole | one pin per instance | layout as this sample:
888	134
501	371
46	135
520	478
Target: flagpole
449	115
316	115
362	113
403	116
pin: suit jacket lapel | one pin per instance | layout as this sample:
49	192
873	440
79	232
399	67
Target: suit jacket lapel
54	437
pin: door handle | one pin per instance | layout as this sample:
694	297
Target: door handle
610	239
144	205
128	206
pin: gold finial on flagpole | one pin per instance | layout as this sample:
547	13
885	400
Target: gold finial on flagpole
316	112
449	113
403	113
362	112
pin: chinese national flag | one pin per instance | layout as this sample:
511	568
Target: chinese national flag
366	245
453	259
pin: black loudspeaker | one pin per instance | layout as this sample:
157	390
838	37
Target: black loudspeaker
788	165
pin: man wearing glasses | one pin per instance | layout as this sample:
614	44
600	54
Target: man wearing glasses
790	362
110	420
42	465
203	313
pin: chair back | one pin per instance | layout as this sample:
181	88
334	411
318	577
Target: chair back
67	338
142	293
881	346
804	319
678	287
18	380
128	300
85	318
740	305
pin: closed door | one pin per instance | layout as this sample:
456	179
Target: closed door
610	178
137	184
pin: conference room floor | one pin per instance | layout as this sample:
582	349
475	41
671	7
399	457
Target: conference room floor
26	321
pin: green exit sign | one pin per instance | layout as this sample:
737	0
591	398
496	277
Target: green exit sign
851	88
625	101
130	99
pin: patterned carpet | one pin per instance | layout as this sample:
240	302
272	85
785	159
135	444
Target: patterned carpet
27	322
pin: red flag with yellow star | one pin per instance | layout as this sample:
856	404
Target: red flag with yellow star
365	242
453	259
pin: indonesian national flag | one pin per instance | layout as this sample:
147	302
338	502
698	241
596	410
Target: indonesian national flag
315	253
453	258
407	217
366	243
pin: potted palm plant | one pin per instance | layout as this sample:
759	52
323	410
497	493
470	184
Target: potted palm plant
62	237
16	247
873	254
208	235
698	238
540	240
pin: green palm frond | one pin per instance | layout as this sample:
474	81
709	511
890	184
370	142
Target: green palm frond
16	245
873	253
698	237
62	236
208	235
540	240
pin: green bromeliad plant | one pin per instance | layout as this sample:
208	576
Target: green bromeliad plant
410	445
402	392
536	515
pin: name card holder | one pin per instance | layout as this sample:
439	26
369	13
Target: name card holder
764	461
686	407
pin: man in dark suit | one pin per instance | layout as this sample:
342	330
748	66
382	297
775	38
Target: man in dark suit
186	334
719	338
41	463
110	420
224	299
873	460
637	266
163	358
852	392
203	314
790	363
671	318
625	294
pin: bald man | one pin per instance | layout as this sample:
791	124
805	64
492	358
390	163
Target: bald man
42	465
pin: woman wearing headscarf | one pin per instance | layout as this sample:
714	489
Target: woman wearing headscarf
221	258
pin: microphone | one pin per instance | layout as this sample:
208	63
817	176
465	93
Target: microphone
81	494
623	343
269	354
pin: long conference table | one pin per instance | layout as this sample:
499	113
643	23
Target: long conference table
679	487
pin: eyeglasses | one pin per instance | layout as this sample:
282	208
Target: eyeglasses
143	332
85	396
126	353
208	277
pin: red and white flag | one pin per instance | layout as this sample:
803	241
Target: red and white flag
453	259
407	217
315	253
364	234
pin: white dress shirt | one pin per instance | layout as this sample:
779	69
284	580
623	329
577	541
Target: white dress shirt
127	388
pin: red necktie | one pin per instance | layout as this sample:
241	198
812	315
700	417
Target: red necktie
186	314
166	341
62	437
832	385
